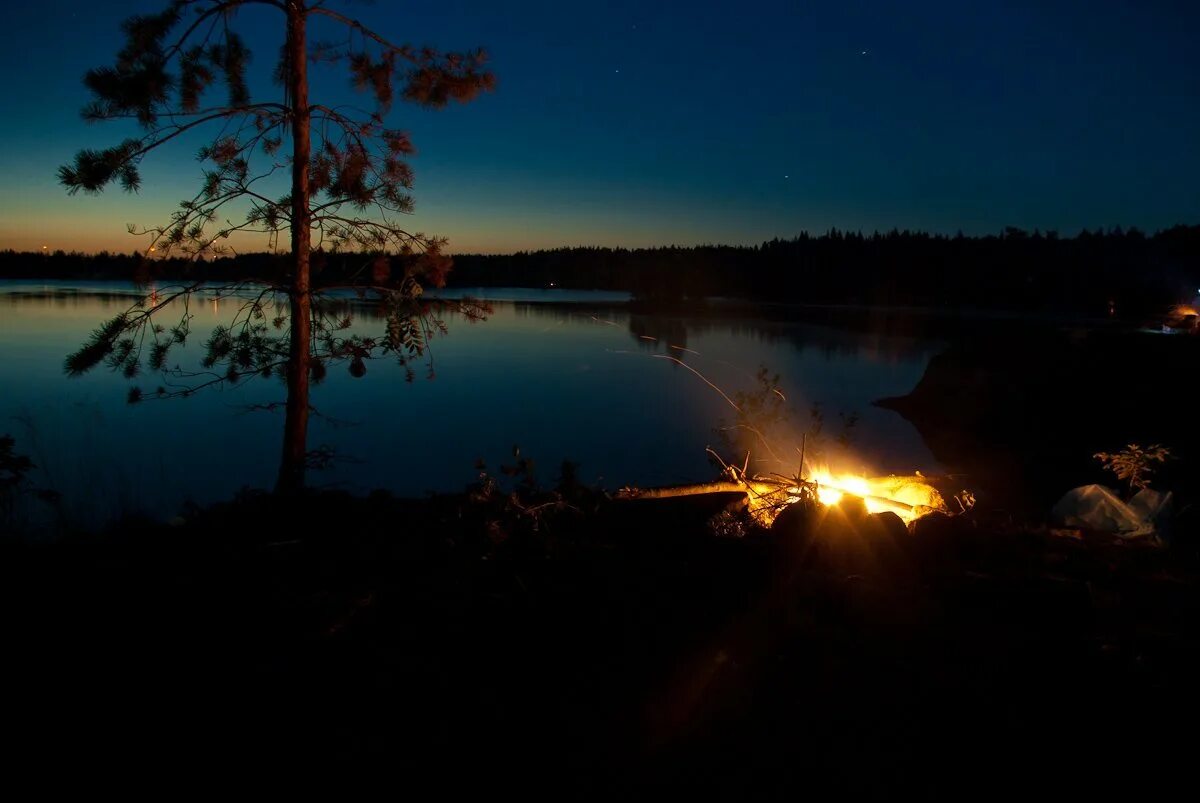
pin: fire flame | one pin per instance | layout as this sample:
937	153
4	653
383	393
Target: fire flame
909	497
831	488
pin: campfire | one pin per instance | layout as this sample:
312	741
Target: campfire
909	497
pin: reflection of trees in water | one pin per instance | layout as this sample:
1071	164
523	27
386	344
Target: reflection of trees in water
362	309
660	334
830	341
369	310
65	298
886	344
557	311
889	343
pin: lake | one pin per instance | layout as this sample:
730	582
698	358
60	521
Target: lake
565	375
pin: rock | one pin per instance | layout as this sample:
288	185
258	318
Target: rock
853	507
795	526
890	526
934	526
844	539
939	540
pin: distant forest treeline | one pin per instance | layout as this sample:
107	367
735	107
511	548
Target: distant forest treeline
1014	270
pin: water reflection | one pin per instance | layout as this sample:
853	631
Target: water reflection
564	380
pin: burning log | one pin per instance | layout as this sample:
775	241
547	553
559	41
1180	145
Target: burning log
908	497
673	491
758	487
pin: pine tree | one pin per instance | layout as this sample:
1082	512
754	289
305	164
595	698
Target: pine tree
349	182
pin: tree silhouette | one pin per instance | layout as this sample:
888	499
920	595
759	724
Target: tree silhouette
349	182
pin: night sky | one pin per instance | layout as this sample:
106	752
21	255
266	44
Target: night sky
643	123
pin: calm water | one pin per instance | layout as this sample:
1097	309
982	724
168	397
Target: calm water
565	375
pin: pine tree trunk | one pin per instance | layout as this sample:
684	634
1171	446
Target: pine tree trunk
295	428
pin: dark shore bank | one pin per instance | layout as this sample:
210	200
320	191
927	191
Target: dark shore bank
599	645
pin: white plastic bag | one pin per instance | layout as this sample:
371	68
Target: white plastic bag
1094	507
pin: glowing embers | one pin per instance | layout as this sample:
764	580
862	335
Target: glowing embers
909	497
